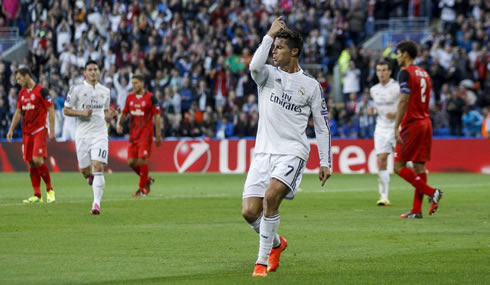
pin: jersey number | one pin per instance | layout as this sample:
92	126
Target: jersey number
102	153
423	86
291	169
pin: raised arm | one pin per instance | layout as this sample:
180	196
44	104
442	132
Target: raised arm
322	132
258	70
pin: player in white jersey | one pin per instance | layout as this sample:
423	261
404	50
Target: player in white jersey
385	95
89	103
287	97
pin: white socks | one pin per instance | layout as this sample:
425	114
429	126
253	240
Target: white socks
383	183
268	233
98	186
256	227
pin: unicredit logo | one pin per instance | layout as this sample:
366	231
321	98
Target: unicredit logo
192	156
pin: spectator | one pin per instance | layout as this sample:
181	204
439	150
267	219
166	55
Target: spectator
123	85
11	10
485	128
455	111
472	121
351	80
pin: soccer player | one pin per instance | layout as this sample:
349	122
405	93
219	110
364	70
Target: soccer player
287	97
89	102
33	105
143	109
413	129
386	95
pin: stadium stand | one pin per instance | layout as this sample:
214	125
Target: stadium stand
195	56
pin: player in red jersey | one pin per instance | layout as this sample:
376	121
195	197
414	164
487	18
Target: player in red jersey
33	104
413	129
143	110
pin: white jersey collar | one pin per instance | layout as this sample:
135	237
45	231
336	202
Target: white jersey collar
88	84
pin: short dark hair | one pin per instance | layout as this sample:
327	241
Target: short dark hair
24	71
91	62
385	62
293	39
139	77
408	46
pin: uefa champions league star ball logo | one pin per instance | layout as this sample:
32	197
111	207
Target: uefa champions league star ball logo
192	156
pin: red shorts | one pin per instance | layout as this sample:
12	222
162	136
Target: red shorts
34	145
139	149
417	142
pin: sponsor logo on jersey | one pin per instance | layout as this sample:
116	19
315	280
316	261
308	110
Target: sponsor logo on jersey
284	102
192	156
28	106
137	112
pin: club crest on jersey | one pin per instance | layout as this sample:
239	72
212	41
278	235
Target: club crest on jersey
131	103
33	96
278	80
301	91
143	103
84	94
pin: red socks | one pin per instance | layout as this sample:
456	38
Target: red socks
418	197
35	181
143	175
44	172
411	177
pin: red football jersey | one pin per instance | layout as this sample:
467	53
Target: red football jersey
34	104
141	109
415	81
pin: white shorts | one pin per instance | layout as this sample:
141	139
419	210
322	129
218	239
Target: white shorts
384	141
286	168
89	149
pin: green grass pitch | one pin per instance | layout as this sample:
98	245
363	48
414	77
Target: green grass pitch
190	231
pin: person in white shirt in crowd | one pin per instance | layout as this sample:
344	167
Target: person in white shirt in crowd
122	88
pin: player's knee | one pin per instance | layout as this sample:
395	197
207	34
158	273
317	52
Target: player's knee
86	172
249	215
98	167
397	168
132	163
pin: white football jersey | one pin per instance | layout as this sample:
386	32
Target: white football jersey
85	96
386	99
286	101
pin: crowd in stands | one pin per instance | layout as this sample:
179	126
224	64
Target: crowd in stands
195	55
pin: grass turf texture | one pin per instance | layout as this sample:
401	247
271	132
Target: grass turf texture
189	231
